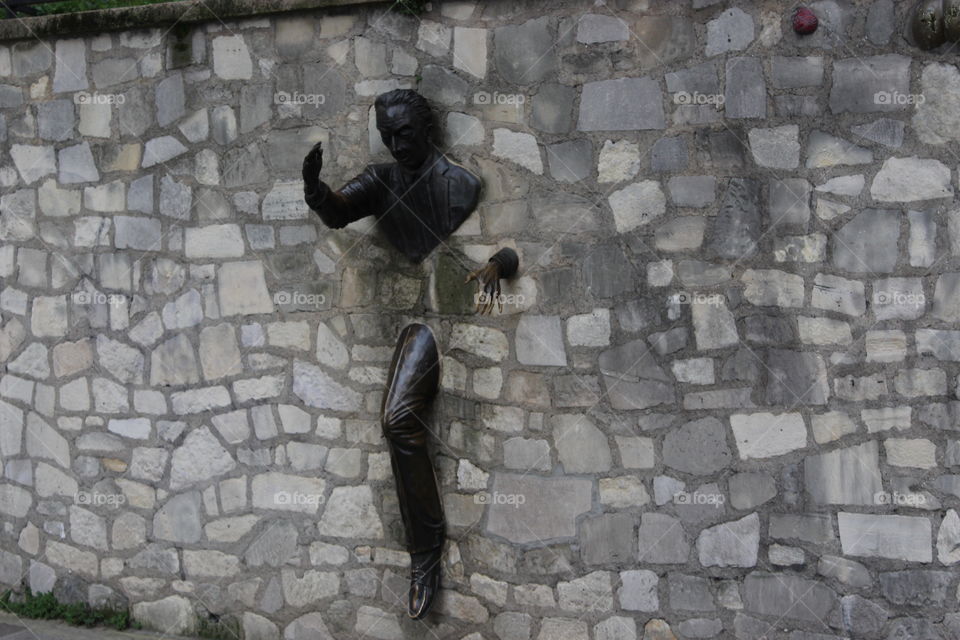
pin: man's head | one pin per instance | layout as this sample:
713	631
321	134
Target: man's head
405	123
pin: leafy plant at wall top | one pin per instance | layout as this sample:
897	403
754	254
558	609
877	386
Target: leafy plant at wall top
73	6
45	606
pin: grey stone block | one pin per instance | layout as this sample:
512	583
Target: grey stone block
552	108
868	242
787	596
698	447
608	539
746	91
525	53
662	540
864	85
570	161
796	378
796	72
736	229
625	104
669	154
633	379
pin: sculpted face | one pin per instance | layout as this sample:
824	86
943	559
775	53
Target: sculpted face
405	135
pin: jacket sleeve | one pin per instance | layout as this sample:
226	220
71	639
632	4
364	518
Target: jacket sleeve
508	260
356	199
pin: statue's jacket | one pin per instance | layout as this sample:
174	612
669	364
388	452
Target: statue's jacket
416	211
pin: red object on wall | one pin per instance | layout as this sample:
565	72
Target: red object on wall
804	21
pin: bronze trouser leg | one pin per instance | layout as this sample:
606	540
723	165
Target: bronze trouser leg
412	383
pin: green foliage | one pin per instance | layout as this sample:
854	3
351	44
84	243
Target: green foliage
413	7
73	6
46	607
219	628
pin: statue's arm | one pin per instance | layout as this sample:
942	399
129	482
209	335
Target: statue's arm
338	208
508	262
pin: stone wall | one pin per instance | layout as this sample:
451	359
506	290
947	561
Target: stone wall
719	401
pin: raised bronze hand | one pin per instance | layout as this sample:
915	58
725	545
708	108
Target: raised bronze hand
312	163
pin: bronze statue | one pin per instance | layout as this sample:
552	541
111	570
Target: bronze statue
412	382
418	202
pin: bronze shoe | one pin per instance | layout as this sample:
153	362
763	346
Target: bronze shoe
424	582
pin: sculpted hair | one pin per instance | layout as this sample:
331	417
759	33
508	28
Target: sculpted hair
410	98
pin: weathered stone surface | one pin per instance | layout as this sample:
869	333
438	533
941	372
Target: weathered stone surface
824	150
736	229
845	476
916	587
765	435
570	161
911	179
883	131
772	287
731	544
714	325
796	377
231	58
581	446
199	458
863	85
520	148
746	92
638	591
846	571
732	30
662	540
632	377
697	447
751	489
350	513
179	519
318	389
886	536
868	242
666	39
796	72
243	289
525	53
692	191
626	104
173	614
776	147
787	596
552	108
948	539
637	204
526	508
173	363
540	341
936	118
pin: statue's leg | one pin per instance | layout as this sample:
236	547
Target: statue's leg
412	383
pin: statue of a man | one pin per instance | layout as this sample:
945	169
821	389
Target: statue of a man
418	201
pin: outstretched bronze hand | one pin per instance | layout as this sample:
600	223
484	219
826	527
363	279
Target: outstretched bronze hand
503	264
488	287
